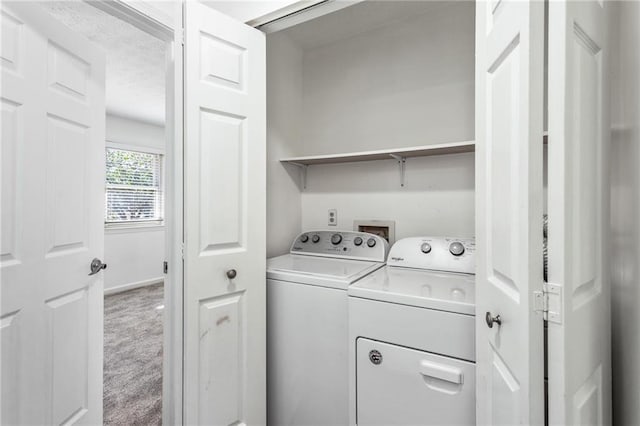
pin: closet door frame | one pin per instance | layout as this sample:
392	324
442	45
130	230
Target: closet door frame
169	29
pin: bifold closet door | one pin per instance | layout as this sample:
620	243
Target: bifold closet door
579	329
225	217
509	120
53	148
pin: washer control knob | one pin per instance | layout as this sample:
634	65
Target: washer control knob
357	241
304	238
336	239
425	248
456	248
371	242
315	238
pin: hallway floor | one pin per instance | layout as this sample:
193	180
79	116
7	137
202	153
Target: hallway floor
133	357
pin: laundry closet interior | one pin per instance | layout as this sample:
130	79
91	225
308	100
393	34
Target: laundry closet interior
370	117
372	114
372	76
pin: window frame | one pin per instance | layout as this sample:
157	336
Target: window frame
137	224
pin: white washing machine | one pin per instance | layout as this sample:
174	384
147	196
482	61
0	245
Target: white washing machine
307	330
412	336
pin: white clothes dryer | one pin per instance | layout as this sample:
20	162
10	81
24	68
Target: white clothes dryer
412	336
307	330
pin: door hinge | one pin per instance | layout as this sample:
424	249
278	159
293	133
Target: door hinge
548	302
180	35
165	267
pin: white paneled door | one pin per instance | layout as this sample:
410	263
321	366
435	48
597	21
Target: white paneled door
509	120
52	221
224	253
579	330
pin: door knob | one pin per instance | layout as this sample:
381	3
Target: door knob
492	320
231	274
97	266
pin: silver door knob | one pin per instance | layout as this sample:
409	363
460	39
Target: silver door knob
492	320
231	274
97	266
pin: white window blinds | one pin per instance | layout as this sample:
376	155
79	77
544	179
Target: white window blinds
133	187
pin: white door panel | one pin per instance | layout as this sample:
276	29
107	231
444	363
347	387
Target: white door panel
509	88
579	339
52	221
225	128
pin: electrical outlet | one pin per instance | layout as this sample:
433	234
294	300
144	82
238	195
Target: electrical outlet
332	219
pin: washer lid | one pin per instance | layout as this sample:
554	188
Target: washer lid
310	269
443	291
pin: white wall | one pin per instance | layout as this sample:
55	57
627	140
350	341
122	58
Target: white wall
134	255
126	131
625	213
438	197
407	84
402	85
284	104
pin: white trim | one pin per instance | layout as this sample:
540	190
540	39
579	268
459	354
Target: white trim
172	379
298	13
134	147
131	286
170	30
130	227
141	14
284	13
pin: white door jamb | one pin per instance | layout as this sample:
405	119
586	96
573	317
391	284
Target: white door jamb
157	24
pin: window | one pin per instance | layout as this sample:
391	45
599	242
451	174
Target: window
133	187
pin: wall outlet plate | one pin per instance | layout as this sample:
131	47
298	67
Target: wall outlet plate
332	218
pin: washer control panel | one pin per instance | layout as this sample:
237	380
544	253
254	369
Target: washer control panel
435	253
343	244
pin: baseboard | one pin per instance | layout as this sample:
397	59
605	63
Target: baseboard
131	286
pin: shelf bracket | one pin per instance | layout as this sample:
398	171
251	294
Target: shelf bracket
303	173
401	162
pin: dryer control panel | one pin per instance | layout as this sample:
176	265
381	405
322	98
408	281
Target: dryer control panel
342	244
435	253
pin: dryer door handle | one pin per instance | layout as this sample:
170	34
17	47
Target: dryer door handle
441	371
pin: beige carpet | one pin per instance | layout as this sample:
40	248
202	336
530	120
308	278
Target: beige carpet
133	357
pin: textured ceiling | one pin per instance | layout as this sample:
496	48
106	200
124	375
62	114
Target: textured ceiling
358	19
135	85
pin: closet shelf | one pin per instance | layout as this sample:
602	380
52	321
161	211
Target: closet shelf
400	155
384	154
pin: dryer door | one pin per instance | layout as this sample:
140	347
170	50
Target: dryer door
402	386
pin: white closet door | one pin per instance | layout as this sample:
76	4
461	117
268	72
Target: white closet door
509	107
52	221
225	215
579	321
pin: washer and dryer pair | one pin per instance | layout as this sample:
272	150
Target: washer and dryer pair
352	341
